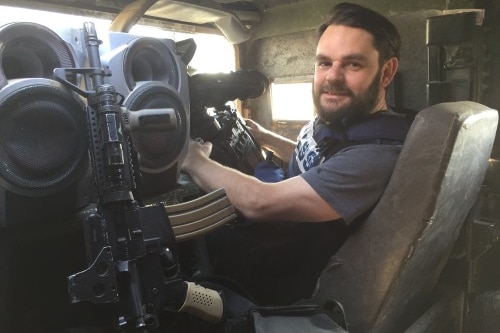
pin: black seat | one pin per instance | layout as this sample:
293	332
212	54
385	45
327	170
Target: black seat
387	269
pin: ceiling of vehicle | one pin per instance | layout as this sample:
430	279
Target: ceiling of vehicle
233	18
238	20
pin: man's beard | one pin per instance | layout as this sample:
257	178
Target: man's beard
357	108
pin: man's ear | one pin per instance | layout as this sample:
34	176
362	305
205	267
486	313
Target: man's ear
388	71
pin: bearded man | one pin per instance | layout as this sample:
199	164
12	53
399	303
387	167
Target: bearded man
336	173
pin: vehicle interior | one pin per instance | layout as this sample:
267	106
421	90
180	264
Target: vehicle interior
97	106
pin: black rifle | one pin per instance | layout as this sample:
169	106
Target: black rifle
130	248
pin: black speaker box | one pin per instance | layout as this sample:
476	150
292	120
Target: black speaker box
44	169
150	75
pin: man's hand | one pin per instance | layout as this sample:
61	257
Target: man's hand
281	147
258	131
198	152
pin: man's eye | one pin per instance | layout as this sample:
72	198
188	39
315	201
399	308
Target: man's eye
324	64
354	65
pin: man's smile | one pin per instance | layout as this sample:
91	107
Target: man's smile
336	91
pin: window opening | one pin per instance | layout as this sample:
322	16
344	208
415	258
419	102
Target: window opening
213	52
292	101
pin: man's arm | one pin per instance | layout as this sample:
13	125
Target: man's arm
281	147
289	200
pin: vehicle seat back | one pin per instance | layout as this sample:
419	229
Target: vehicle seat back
387	269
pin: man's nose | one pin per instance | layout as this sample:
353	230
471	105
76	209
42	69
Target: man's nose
335	73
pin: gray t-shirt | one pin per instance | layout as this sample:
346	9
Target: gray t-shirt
353	180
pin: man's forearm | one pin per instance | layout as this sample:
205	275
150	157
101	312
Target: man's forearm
241	189
210	175
282	147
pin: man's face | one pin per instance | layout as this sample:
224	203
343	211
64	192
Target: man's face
347	78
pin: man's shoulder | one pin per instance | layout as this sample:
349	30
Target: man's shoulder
370	150
369	157
373	147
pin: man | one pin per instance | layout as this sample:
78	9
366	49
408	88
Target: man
301	221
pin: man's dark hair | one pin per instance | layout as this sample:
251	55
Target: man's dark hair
387	40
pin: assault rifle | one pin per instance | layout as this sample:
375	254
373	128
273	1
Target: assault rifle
131	247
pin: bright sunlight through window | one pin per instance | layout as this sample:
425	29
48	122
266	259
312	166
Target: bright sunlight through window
213	52
292	101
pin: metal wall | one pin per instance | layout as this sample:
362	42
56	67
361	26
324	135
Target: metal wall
283	47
